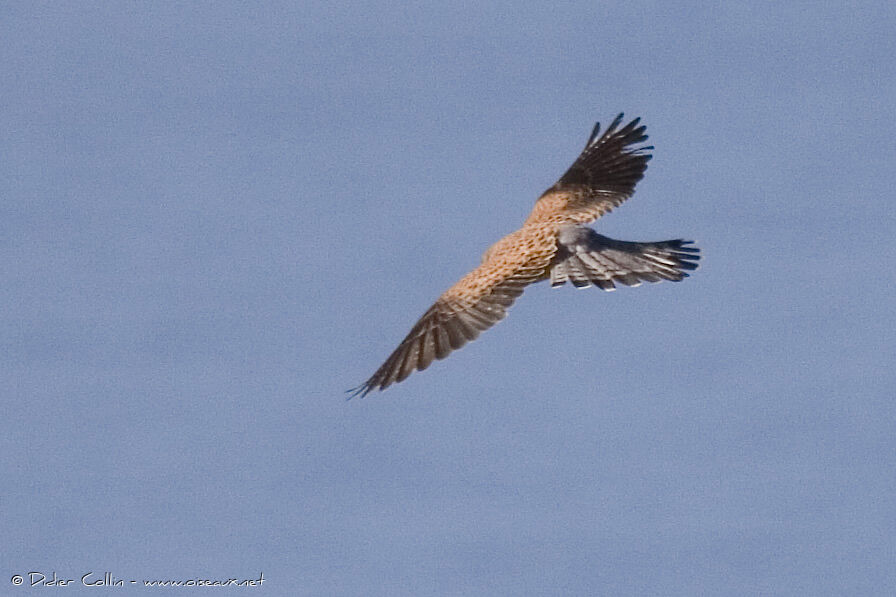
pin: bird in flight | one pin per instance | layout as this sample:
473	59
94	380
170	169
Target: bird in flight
553	244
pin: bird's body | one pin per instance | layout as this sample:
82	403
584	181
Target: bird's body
554	244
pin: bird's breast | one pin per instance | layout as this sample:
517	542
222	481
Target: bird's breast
525	247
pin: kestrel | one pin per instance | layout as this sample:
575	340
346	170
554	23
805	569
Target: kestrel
553	244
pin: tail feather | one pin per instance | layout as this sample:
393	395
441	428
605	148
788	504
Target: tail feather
586	258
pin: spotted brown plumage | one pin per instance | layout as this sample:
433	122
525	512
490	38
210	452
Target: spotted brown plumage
553	244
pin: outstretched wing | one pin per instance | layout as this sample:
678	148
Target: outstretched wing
585	257
602	177
477	302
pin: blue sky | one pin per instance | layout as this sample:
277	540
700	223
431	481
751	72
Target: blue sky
217	217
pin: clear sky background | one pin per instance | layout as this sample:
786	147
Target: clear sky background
217	217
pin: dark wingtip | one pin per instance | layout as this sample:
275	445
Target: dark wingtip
631	129
358	391
616	121
594	133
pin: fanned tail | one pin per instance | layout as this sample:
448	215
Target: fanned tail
586	258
